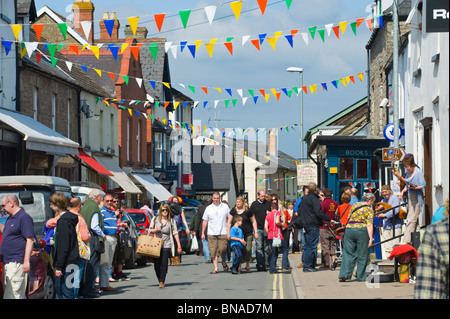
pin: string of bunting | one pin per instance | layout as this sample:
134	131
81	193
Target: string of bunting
209	44
159	18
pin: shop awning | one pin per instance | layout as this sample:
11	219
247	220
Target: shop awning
119	176
152	186
37	136
96	166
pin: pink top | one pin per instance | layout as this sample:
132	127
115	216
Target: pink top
273	227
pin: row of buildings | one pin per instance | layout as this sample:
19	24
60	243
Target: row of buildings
60	116
347	147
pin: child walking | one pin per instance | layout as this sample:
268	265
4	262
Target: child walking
237	243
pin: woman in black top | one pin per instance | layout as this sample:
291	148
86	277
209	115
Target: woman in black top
248	228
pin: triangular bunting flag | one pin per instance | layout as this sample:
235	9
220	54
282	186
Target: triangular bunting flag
84	68
262	5
210	48
99	72
154	50
236	6
322	34
210	12
261	37
312	31
159	19
288	3
96	50
272	42
324	86
354	27
68	64
126	78
74	48
39	56
114	51
336	31
112	76
16	30
109	24
153	84
229	46
360	76
86	26
191	48
256	44
184	15
369	23
290	40
135	52
63	29
38	30
133	23
343	25
205	89
335	83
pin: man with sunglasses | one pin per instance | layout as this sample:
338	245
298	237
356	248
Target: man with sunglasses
16	247
110	230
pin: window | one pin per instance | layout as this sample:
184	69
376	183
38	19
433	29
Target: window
158	145
346	168
362	168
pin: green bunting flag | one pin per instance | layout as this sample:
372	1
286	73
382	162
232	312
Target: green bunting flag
184	15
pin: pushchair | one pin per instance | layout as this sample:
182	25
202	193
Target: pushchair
338	234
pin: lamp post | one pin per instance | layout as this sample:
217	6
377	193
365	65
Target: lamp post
300	71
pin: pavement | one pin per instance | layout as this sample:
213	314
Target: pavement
324	284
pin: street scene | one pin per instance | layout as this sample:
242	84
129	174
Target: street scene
242	152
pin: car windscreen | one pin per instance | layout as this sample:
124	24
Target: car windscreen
139	218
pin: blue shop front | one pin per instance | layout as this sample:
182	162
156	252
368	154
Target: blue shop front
353	161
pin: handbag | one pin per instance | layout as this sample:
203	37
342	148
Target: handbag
83	248
276	242
341	230
149	245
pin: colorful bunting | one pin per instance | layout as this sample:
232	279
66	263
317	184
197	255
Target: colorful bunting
236	6
184	15
133	24
63	29
159	19
38	30
16	28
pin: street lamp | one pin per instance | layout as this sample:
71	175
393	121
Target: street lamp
300	71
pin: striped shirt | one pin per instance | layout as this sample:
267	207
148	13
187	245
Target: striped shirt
432	264
109	221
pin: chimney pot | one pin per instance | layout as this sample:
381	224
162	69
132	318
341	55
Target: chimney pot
113	16
105	16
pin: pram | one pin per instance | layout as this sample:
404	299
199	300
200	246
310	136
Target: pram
339	236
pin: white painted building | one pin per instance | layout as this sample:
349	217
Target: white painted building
7	62
426	113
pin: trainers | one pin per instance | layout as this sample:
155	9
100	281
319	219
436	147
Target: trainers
234	271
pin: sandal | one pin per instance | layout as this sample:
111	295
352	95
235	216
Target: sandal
214	272
225	267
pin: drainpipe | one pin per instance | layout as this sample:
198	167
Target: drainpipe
368	80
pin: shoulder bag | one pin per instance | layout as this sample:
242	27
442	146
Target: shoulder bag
149	245
83	248
276	242
341	230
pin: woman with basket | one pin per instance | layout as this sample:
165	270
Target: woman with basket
162	226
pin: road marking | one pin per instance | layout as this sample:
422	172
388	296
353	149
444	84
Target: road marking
277	286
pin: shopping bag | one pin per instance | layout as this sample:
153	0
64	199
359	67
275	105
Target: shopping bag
83	248
194	243
149	246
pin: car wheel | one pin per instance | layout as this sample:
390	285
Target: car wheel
49	288
130	263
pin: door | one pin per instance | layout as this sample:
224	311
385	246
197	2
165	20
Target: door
428	169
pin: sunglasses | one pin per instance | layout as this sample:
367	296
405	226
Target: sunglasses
108	201
164	210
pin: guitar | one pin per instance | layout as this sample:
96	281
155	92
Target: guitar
387	207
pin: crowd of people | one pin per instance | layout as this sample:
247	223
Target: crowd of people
262	231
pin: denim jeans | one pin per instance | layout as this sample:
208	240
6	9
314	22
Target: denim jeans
237	251
262	256
285	249
206	253
310	250
64	285
273	256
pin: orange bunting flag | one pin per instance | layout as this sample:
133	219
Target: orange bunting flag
74	48
112	75
38	29
135	50
336	31
352	78
256	43
305	89
159	19
205	89
229	46
359	21
262	5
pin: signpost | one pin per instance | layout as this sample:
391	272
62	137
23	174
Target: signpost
393	154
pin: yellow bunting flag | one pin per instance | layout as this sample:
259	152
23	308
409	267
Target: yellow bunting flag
16	30
267	97
210	48
343	81
99	72
133	24
360	76
130	111
197	44
343	25
96	50
313	88
272	42
124	46
236	6
166	84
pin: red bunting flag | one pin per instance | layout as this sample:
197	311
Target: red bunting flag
262	5
305	89
336	31
74	48
205	89
359	21
112	75
256	43
229	46
38	29
159	19
38	56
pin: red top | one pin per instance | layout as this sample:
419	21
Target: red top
329	207
273	227
343	211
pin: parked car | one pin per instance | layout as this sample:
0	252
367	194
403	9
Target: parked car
33	192
82	189
131	257
140	217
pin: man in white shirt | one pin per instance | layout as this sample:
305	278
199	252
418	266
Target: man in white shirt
216	217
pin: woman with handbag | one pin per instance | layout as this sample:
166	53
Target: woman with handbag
358	239
162	226
272	226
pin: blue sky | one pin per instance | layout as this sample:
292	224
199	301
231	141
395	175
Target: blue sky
249	68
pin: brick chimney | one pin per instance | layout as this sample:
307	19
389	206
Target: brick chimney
104	35
83	10
272	143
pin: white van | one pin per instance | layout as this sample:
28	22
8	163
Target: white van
83	191
34	192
